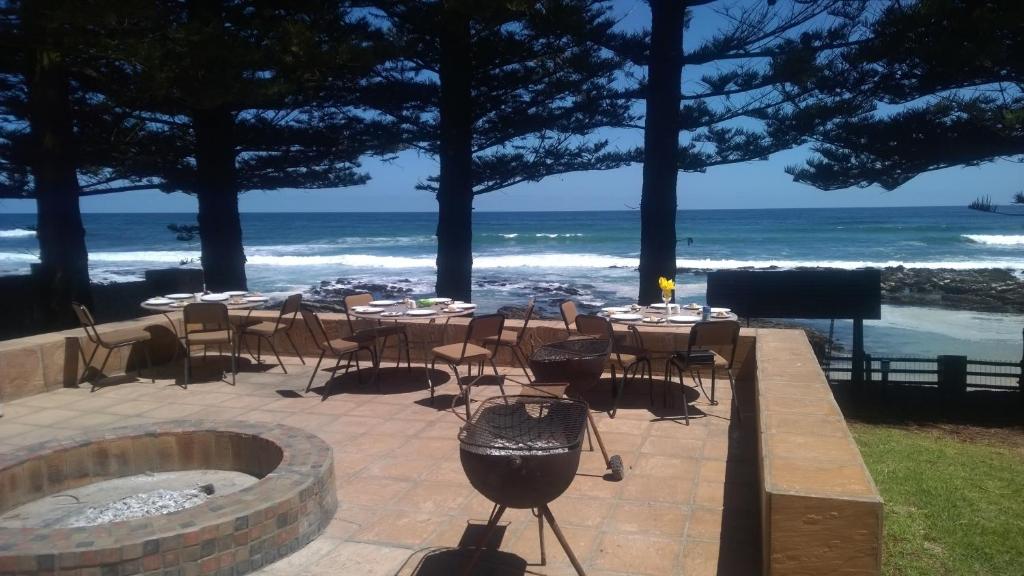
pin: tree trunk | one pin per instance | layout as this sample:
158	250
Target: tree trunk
220	228
455	188
63	272
661	145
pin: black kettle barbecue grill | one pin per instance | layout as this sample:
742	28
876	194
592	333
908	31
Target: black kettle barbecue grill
523	452
578	363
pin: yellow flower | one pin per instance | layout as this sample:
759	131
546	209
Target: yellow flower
666	285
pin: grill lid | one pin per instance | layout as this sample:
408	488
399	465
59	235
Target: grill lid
525	425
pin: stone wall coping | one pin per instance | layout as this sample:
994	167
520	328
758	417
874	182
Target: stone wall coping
807	447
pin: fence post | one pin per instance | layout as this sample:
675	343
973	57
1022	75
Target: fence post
867	368
885	376
952	374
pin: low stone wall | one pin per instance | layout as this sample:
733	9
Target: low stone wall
820	510
45	362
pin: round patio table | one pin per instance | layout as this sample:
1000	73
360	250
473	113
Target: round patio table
401	312
656	317
177	305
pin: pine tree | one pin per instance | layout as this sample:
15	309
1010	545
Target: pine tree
754	74
500	93
240	95
939	84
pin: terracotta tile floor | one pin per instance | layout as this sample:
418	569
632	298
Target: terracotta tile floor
687	505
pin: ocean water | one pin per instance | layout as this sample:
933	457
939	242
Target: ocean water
588	256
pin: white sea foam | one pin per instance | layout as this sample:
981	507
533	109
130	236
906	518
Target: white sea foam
265	256
17	233
543	235
996	239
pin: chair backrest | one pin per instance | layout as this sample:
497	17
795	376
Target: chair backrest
596	326
289	310
526	321
569	313
722	336
207	316
316	329
86	320
357	300
481	327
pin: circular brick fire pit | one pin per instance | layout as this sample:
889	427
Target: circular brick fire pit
288	506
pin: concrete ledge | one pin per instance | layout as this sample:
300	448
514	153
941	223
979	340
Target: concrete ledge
820	510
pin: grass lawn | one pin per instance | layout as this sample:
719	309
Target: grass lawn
951	507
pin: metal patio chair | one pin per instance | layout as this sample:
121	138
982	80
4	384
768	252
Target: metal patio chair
207	324
339	348
513	340
630	358
109	342
268	330
710	345
467	352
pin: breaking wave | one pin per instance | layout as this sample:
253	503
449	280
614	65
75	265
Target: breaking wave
17	233
995	239
266	256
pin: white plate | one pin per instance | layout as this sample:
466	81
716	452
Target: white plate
627	317
366	309
255	298
438	300
181	296
464	306
721	315
236	292
383	302
420	312
661	306
717	310
158	301
693	306
214	297
654	320
683	319
616	309
390	314
179	304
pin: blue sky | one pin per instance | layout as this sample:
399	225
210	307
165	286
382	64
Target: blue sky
762	184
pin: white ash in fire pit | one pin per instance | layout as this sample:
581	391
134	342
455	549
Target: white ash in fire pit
126	498
139	505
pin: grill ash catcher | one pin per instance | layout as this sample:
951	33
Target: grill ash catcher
523	452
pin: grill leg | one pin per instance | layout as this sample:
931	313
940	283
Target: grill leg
540	534
600	443
561	539
491	525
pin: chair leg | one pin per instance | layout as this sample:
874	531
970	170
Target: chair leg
430	380
288	336
87	363
520	358
616	392
104	363
234	363
188	364
149	364
713	370
315	368
276	355
735	396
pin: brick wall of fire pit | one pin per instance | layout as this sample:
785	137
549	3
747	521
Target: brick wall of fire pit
288	506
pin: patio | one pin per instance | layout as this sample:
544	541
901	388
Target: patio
688	504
